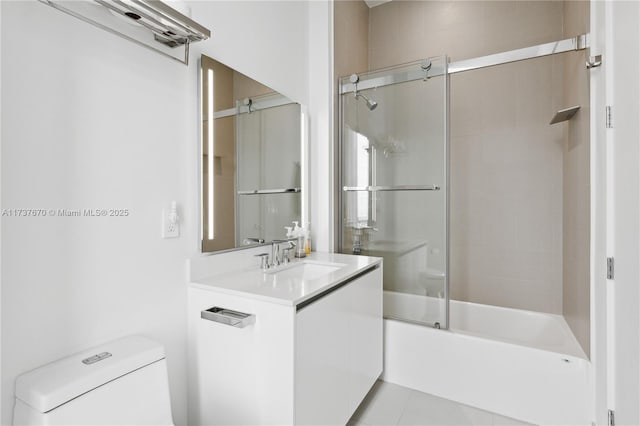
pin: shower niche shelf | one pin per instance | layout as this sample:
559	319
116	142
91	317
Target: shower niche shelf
564	114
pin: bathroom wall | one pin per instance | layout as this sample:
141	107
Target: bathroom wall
320	110
351	21
506	161
93	121
576	182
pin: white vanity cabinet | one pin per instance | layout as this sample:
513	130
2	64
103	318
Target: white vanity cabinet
309	362
338	344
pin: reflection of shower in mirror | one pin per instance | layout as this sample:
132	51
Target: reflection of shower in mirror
251	181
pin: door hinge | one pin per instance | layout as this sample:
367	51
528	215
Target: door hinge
608	117
610	269
611	418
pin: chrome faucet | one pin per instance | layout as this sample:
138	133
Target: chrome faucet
275	252
285	252
278	258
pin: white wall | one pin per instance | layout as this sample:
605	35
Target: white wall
598	208
265	40
92	121
321	153
0	225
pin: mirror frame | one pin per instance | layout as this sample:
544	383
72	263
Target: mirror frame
304	166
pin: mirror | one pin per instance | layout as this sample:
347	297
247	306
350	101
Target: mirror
251	160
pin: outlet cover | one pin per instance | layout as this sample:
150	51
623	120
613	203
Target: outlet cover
169	229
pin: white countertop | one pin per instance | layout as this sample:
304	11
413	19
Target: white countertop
269	286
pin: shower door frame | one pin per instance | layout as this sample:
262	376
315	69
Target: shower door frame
404	73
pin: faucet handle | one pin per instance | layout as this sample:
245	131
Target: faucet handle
264	260
285	255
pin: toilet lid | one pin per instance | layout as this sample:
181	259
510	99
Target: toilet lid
52	385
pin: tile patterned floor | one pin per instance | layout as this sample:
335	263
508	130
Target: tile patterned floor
388	404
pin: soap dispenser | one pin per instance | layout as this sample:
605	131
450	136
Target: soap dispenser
307	239
298	233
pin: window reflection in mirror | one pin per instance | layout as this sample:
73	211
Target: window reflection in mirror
251	156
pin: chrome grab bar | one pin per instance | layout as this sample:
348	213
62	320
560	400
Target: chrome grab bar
393	188
269	191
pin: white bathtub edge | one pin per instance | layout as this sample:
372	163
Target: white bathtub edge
524	383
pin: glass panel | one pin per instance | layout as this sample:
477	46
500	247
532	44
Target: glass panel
269	155
269	148
263	216
401	141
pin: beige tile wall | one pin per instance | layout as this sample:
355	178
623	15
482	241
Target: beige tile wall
576	206
351	35
506	161
404	31
506	187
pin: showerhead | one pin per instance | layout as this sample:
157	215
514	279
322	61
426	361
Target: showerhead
354	79
370	103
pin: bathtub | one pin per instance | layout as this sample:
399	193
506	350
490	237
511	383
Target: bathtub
520	364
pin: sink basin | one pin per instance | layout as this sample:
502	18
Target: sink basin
307	271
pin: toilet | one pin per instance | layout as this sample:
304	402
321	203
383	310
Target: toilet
123	382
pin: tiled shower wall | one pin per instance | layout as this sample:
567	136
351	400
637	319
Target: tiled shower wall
351	37
510	200
576	206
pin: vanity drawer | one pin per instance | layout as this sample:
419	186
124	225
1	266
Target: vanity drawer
239	375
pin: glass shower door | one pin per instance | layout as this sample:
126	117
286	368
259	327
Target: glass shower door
394	159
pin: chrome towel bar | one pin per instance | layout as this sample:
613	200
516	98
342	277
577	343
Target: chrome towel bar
269	191
228	317
393	188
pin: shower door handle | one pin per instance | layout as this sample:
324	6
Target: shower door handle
392	188
269	191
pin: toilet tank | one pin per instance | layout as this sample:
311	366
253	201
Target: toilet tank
123	382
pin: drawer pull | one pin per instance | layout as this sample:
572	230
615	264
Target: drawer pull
228	317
